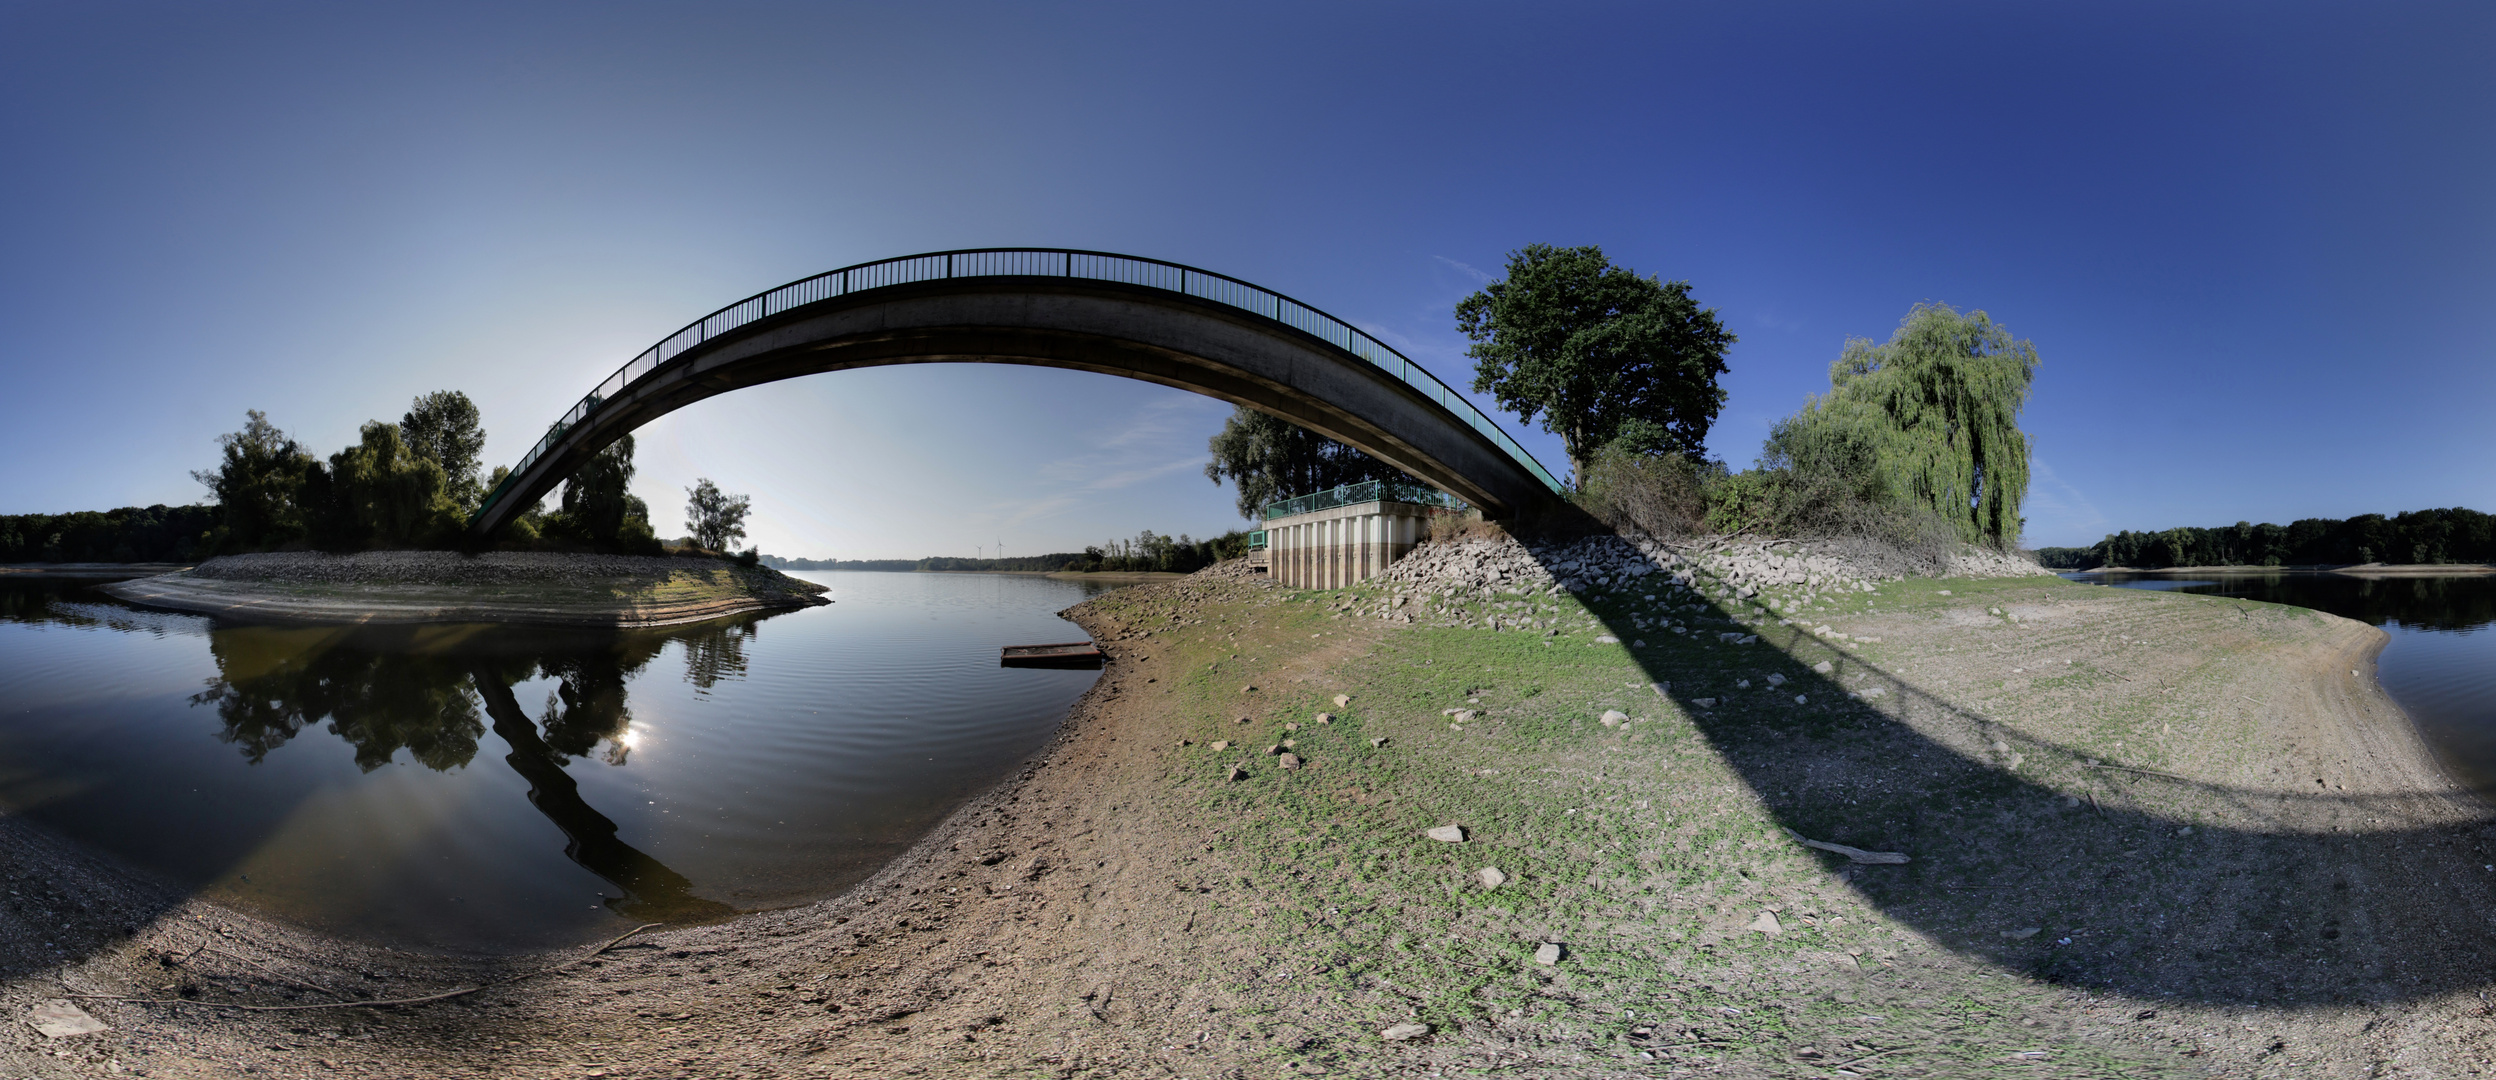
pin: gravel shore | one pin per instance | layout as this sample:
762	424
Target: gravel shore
542	588
442	568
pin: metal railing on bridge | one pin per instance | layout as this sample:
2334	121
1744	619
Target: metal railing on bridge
1366	491
1027	262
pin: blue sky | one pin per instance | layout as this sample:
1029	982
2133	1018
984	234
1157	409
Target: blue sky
2255	244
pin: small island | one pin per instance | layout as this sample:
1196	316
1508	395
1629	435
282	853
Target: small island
540	588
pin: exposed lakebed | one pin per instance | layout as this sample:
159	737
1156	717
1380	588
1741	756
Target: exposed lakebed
2440	664
485	788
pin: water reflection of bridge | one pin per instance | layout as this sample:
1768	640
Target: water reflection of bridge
384	690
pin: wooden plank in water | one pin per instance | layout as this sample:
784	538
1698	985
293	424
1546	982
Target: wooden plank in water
1072	654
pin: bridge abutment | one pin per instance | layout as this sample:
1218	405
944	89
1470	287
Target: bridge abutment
1344	545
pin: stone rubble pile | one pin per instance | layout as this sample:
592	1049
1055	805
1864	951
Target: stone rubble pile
1740	568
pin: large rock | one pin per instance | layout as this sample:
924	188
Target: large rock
61	1020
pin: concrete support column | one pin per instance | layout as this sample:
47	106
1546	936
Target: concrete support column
1325	554
1343	551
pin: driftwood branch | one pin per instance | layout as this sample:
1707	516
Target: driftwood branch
1854	854
2144	772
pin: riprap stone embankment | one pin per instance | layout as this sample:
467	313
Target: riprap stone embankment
1733	568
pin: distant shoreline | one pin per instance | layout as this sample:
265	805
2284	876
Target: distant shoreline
2361	570
1131	576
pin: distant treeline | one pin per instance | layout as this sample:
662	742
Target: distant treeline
1149	552
131	534
933	562
2454	535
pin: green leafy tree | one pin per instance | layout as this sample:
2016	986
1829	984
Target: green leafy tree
259	485
1929	419
599	507
443	427
1268	458
716	518
383	494
1597	352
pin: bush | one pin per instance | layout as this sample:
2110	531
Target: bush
1661	495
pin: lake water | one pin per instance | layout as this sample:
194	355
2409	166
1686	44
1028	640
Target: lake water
485	788
2440	664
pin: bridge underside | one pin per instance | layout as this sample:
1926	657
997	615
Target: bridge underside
1106	327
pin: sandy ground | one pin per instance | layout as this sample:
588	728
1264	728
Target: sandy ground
2151	834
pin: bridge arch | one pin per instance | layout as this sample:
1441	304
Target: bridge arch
1048	307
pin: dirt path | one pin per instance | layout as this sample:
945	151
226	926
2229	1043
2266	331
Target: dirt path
2152	834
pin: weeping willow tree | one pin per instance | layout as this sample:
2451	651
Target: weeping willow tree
1929	420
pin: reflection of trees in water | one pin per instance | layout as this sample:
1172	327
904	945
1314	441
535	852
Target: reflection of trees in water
69	603
267	693
717	653
385	692
428	690
2418	603
587	705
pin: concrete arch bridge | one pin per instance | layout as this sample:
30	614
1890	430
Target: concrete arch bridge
1086	310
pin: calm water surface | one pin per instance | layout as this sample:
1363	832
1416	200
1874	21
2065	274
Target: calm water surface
477	788
2440	664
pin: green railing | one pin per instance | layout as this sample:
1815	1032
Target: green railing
1027	262
1256	540
1403	491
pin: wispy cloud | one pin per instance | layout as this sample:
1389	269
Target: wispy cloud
1478	276
1161	439
2059	512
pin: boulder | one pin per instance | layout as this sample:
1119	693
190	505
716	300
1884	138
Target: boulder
60	1020
1448	834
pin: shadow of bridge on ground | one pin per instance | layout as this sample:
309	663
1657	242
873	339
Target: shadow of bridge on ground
2073	865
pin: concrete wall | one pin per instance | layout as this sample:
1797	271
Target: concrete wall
1329	549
